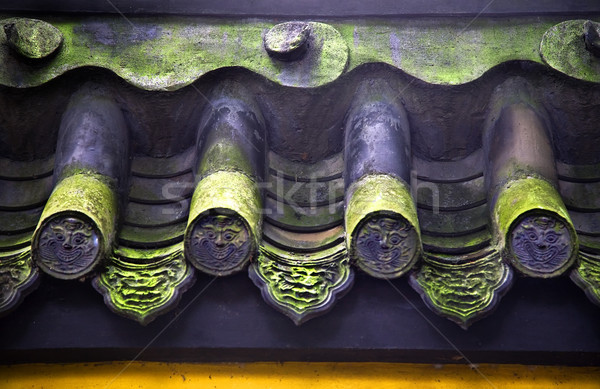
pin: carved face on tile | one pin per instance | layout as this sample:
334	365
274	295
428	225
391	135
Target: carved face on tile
220	243
68	245
541	244
385	246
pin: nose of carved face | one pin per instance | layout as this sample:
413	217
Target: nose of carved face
384	244
66	244
219	241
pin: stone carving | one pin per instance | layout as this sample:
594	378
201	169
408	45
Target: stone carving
385	245
142	291
32	38
18	275
462	290
573	47
587	275
220	244
68	245
541	244
302	286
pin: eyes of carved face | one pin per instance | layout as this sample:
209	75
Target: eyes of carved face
541	231
395	239
387	232
69	239
227	235
221	229
551	237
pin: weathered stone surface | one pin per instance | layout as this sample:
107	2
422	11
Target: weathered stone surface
463	290
587	276
32	38
301	263
142	291
302	285
288	41
172	52
571	47
18	277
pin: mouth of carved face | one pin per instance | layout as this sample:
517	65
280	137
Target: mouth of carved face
541	253
68	253
215	250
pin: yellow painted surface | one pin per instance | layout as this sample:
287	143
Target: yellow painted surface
294	376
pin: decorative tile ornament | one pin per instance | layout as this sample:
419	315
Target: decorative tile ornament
142	290
462	289
18	277
302	286
301	151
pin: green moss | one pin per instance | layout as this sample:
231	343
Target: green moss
525	197
333	56
148	255
438	51
77	170
17	274
231	191
224	156
143	291
168	53
563	48
302	285
86	196
457	242
463	292
376	194
382	195
587	276
368	42
32	38
287	37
